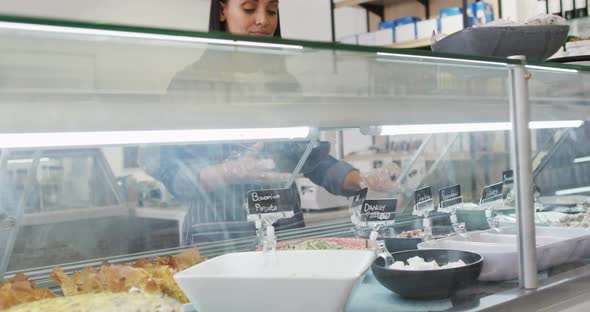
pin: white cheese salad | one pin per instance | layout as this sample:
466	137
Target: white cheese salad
419	264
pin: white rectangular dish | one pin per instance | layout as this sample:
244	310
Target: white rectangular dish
298	280
554	246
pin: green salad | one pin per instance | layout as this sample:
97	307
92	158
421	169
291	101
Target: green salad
314	244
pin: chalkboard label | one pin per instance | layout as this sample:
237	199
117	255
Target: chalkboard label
492	192
359	198
378	210
270	201
450	196
424	201
423	195
508	177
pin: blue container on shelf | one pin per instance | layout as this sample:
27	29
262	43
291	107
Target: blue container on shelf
452	11
393	24
387	24
481	13
400	21
407	20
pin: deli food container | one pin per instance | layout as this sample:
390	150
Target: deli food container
394	242
429	284
555	246
294	280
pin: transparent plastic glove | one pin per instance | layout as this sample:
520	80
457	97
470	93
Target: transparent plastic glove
383	179
247	168
546	19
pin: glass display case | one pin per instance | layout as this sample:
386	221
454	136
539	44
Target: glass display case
119	144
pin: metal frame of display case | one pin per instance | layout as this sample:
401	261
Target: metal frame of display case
518	73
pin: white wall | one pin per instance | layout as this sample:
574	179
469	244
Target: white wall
306	19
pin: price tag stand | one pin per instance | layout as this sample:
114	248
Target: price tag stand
450	199
491	199
355	210
387	219
376	214
538	204
450	206
508	187
265	208
424	205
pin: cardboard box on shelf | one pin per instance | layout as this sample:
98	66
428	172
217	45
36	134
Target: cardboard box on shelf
405	32
367	39
404	28
384	37
451	24
425	28
349	39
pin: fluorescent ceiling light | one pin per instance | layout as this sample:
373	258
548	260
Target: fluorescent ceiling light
554	69
436	58
473	127
444	128
26	160
577	190
556	124
72	139
137	35
581	159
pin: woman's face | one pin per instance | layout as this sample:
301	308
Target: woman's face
250	17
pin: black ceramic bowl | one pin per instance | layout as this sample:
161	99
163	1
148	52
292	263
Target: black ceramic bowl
395	244
430	284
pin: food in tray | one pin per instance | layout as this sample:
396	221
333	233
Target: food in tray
315	244
150	276
579	220
19	290
147	275
419	264
416	234
577	38
327	243
121	302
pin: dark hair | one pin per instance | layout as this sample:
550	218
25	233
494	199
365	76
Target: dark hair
216	25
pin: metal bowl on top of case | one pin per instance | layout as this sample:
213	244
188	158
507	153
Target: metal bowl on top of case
537	42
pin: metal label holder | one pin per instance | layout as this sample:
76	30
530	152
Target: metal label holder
489	205
450	206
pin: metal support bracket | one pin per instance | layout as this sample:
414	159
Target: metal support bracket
375	8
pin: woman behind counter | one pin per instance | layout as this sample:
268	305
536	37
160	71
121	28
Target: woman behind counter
214	179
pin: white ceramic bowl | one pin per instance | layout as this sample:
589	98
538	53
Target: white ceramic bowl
297	280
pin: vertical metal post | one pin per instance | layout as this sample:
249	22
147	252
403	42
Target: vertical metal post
333	20
340	140
523	173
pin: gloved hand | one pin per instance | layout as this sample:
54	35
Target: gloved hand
247	168
384	179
